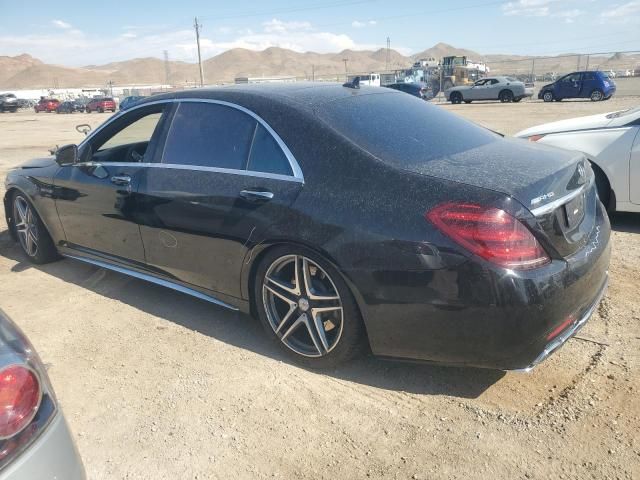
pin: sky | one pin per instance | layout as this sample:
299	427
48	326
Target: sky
93	33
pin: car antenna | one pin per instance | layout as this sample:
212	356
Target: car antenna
355	83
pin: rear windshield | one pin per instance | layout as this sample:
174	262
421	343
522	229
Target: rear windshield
403	130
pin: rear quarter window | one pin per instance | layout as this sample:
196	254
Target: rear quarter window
403	130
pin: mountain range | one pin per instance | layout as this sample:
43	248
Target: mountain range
24	71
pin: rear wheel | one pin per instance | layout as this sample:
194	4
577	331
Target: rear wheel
305	305
468	101
456	97
547	96
100	110
506	96
34	239
596	95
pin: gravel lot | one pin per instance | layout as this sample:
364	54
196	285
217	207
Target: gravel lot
158	385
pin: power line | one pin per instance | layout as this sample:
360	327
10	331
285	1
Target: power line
287	10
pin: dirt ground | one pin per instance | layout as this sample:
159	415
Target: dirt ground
158	385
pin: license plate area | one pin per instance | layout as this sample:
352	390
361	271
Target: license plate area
574	212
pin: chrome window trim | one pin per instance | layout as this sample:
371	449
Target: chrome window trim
178	166
295	167
551	206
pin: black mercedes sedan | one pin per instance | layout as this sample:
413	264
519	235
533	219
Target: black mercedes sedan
341	217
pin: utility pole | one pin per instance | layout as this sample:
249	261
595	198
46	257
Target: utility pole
197	26
587	68
533	70
313	73
110	83
578	63
166	67
388	53
346	71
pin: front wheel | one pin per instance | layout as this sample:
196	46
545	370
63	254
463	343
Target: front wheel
547	97
456	98
506	96
34	239
307	308
596	96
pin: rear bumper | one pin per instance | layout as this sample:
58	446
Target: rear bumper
570	331
52	455
480	315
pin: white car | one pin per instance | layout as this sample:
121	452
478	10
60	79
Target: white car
611	142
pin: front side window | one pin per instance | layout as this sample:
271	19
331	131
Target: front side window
139	131
209	135
574	77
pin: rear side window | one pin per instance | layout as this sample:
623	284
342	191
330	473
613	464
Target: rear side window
266	155
209	135
403	130
590	76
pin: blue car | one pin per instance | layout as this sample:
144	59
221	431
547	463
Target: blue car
594	85
128	102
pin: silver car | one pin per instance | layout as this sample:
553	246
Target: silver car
505	89
35	442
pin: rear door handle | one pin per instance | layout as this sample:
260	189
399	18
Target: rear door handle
256	195
124	180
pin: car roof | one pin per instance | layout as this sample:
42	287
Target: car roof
301	94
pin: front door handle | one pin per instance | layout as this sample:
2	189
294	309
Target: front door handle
124	180
256	195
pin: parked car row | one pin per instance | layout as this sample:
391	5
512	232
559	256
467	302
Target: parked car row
9	103
594	85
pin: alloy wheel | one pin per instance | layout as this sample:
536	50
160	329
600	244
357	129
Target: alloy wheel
596	96
26	226
303	305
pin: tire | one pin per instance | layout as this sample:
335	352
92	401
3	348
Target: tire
33	237
517	100
596	95
100	110
506	96
468	101
456	98
547	96
87	110
284	313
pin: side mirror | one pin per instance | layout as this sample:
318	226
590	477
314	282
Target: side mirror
83	128
67	154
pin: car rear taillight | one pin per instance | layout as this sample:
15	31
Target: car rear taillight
19	399
490	233
27	401
535	138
